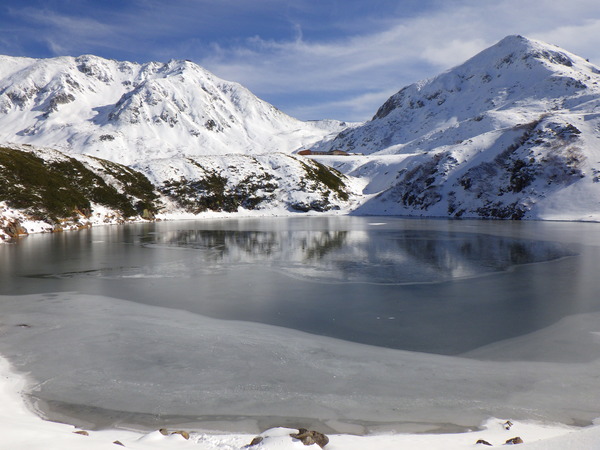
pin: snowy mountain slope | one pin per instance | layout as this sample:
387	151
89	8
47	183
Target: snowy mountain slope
513	132
46	190
232	183
193	134
128	112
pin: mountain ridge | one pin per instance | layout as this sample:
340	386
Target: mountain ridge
206	144
512	71
123	111
43	189
511	133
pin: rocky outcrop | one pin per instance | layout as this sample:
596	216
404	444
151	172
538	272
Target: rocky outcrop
14	229
310	437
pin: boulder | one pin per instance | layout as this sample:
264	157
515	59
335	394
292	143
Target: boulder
14	229
257	440
310	437
185	434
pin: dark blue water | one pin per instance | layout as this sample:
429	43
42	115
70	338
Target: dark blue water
431	286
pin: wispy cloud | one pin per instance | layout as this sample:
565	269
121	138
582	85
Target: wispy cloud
69	25
69	34
399	51
359	106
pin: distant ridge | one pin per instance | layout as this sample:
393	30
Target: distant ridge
128	112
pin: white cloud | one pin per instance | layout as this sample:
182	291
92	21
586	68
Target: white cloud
581	39
357	107
68	25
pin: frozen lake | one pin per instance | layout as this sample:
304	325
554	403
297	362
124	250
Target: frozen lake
349	323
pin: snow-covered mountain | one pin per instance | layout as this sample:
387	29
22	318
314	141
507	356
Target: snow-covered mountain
513	132
206	144
130	112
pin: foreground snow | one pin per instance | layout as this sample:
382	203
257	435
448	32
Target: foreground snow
21	429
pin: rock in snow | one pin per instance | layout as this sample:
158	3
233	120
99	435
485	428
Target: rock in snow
513	133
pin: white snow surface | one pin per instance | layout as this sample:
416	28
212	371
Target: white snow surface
128	112
22	429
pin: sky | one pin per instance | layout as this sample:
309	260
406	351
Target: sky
336	59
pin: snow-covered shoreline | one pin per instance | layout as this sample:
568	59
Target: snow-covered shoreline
103	217
20	428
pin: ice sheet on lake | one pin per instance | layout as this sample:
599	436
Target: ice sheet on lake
119	355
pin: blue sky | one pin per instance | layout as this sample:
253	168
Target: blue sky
312	59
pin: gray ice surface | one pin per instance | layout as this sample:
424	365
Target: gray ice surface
118	355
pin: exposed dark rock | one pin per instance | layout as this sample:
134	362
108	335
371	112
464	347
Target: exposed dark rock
315	205
507	425
59	99
257	440
483	442
514	441
14	229
309	437
183	433
82	432
118	443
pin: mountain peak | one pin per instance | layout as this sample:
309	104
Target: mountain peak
515	40
510	133
125	111
515	80
519	48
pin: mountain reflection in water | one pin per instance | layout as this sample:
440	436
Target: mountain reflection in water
397	257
